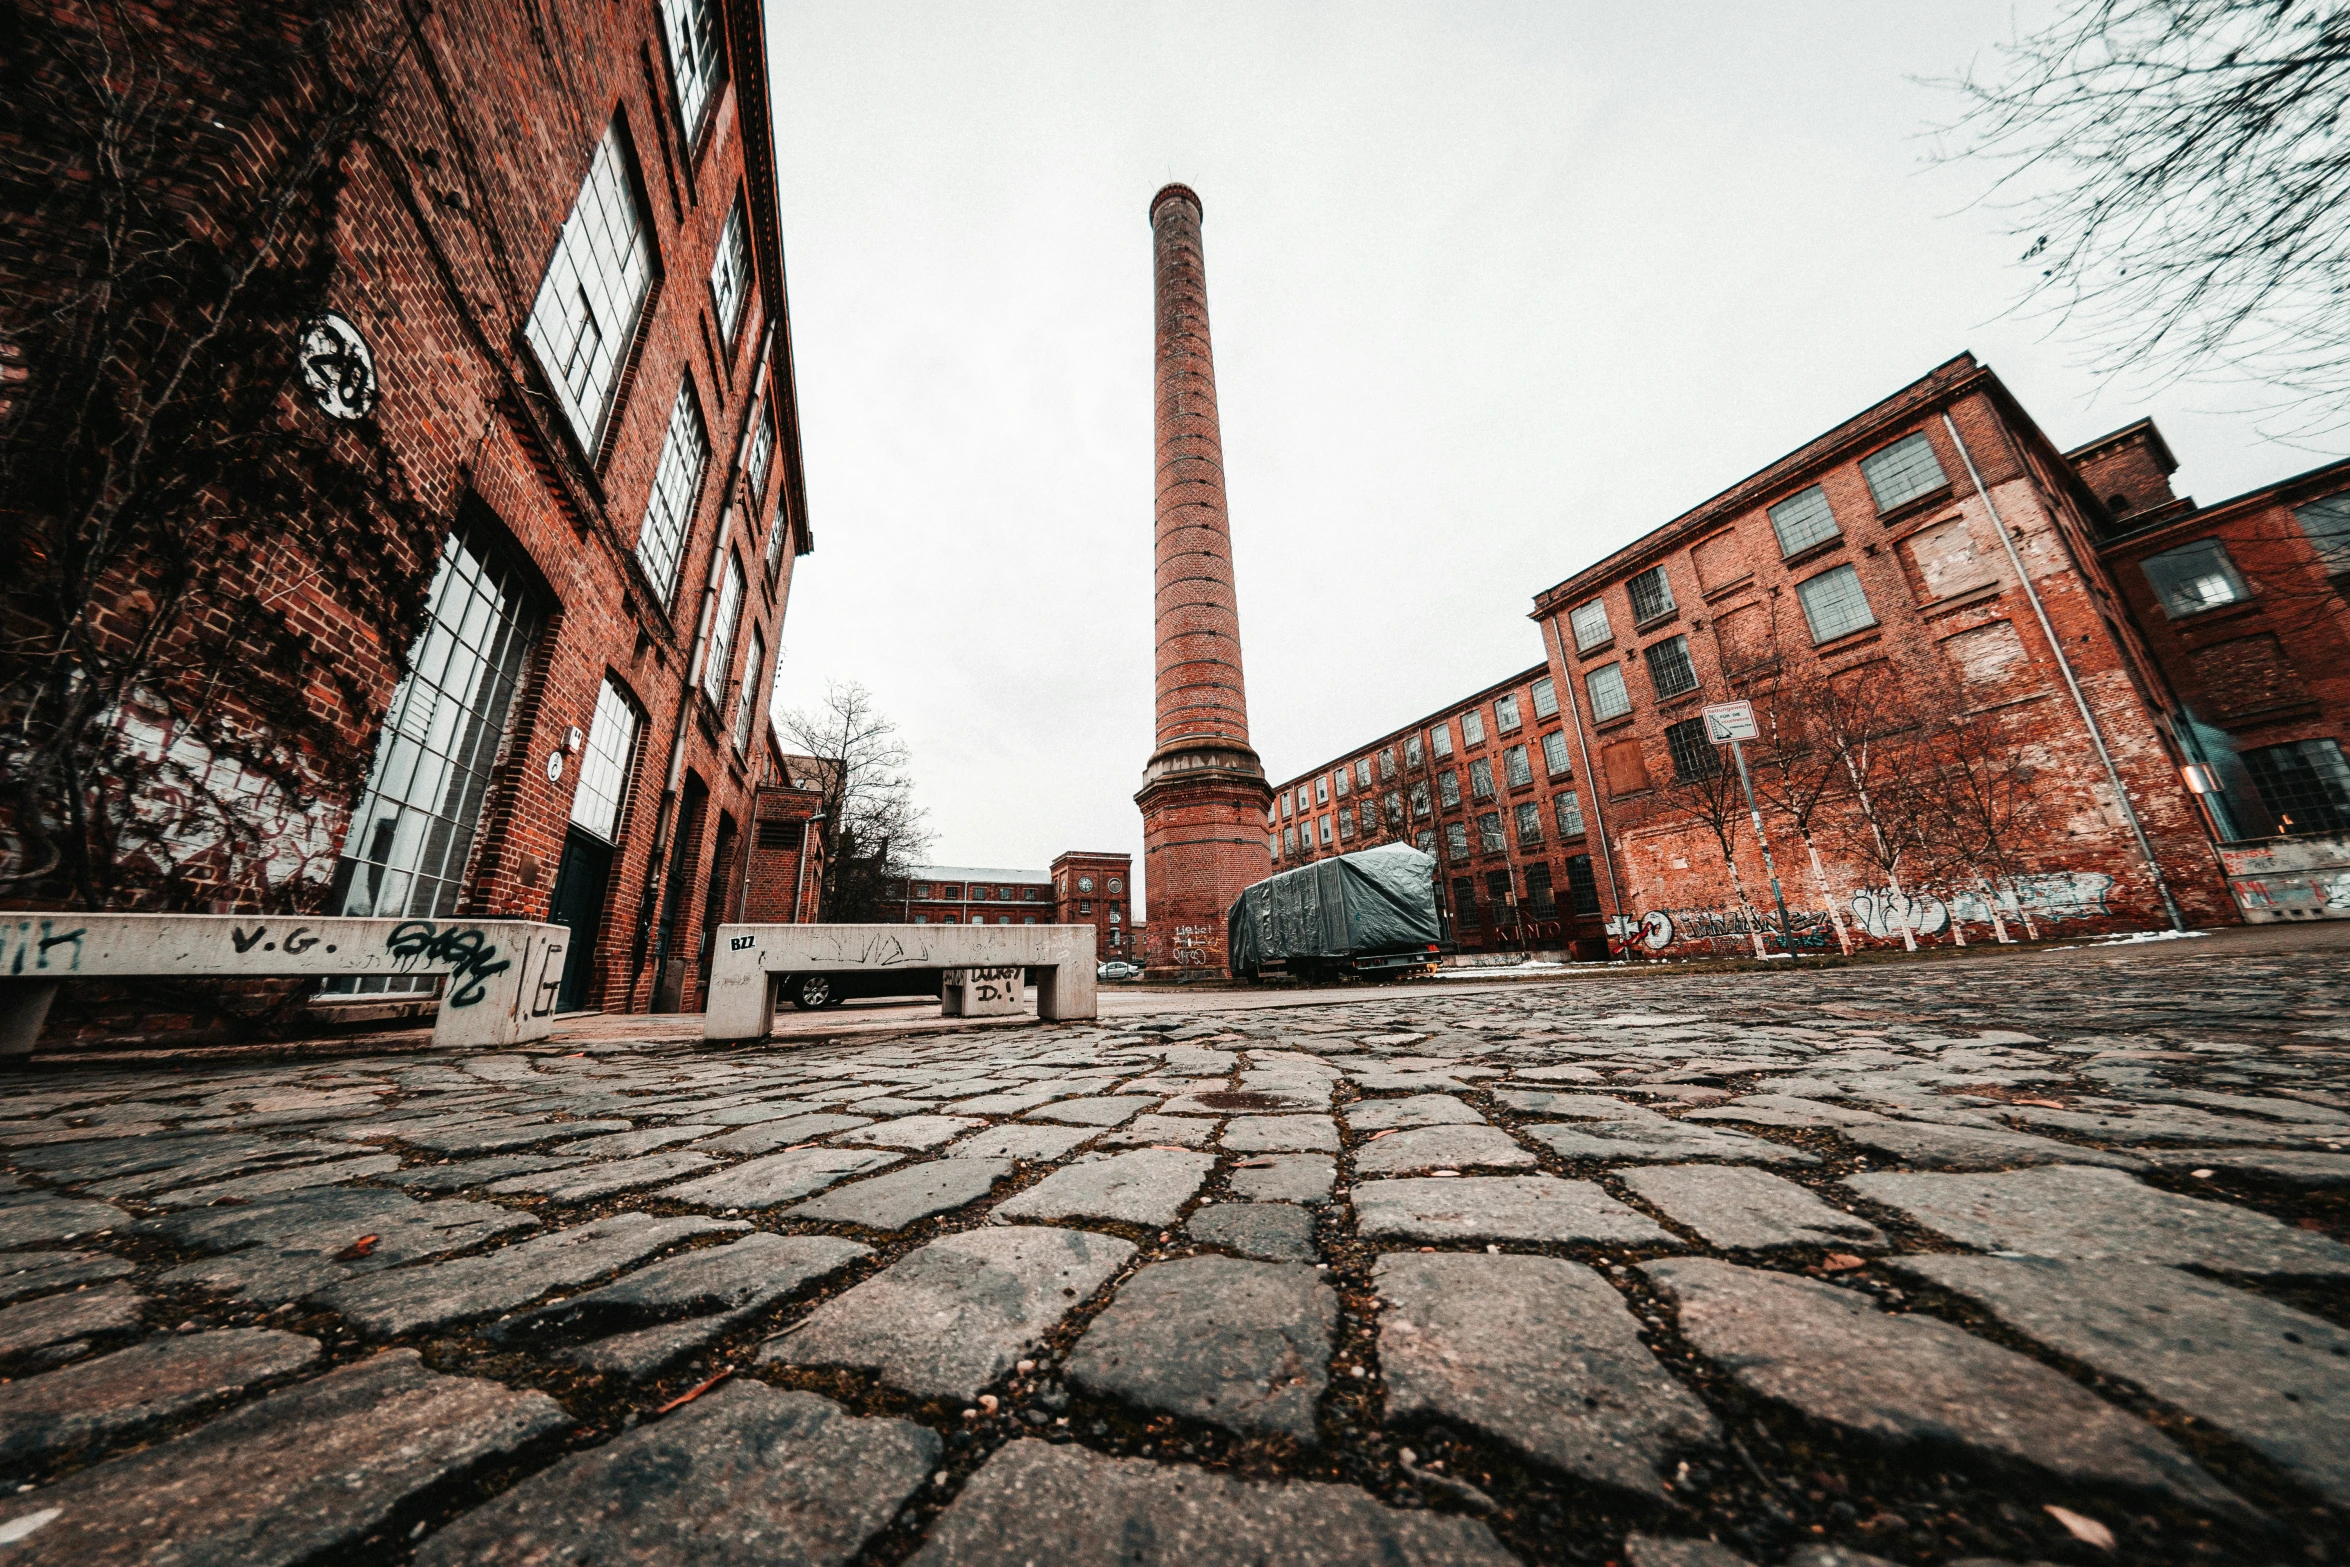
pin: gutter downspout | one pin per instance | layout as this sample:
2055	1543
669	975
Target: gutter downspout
2064	665
1607	857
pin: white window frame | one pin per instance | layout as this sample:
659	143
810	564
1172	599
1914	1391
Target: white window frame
1588	623
676	494
754	676
1610	693
697	61
599	805
593	295
718	653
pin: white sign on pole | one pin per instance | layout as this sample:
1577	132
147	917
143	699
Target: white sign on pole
1728	721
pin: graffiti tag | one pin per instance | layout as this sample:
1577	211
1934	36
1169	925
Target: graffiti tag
39	947
296	942
467	952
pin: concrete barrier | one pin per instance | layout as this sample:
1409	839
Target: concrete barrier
503	975
752	959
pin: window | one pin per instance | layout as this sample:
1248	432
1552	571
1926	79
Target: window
1481	779
1363	771
778	529
1569	810
1116	918
979	894
1589	623
697	58
1803	520
1489	839
2306	783
1456	840
1472	727
1288	804
1412	752
718	656
1386	763
1394	804
1464	900
950	892
1004	894
1321	791
1529	825
947	920
1652	596
1546	698
1448	788
1420	805
1289	840
1582	886
1339	783
1497	891
1669	671
603	767
746	707
1516	766
1346	823
677	486
1903	471
2195	577
921	889
412	834
921	919
1084	906
756	459
1426	842
1554	753
730	274
1539	902
1325	832
586	312
1440	740
1609	698
1694	756
1505	714
1030	919
2327	523
1085	884
1834	604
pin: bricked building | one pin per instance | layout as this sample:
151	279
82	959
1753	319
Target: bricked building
1090	888
783	875
1931	564
559	262
1081	888
1486	785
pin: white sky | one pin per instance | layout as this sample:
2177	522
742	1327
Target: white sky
1494	289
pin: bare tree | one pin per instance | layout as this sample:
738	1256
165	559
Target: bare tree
1801	778
167	500
1872	731
1704	789
1985	807
2179	168
873	831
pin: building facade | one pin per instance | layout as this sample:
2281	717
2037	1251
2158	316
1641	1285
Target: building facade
1489	787
557	299
1961	729
1090	888
973	895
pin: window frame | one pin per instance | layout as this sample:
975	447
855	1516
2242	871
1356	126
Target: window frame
2168	596
615	285
1656	578
1593	610
1884	460
686	425
1814	583
1618	691
1658	656
1783	516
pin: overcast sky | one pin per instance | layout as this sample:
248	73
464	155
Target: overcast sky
1494	289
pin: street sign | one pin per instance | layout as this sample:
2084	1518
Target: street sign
1728	721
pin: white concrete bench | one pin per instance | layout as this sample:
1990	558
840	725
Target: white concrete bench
503	975
753	960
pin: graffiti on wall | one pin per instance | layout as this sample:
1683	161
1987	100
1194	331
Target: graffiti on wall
2051	898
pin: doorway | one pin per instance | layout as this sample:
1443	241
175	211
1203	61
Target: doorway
578	903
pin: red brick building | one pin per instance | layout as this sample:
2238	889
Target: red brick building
783	875
1080	889
1917	589
558	297
1489	787
1090	888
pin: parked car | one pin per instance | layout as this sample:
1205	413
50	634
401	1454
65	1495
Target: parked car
1118	968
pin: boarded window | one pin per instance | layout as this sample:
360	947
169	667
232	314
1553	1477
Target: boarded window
1942	561
1744	636
1718	560
1626	767
1991	658
2248	675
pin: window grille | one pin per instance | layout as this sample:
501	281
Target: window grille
1582	886
1669	671
730	274
1472	727
1420	806
1652	596
1540	903
1529	825
1694	756
1505	714
603	767
718	658
1363	772
1546	698
1609	696
1569	810
746	707
1489	838
1517	766
1481	779
1834	605
1448	788
2305	783
1346	823
1440	740
1903	471
2327	523
586	312
697	58
1554	753
761	453
1456	840
1803	520
1589	623
1412	753
1386	762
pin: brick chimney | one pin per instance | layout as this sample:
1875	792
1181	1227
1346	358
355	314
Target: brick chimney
1203	793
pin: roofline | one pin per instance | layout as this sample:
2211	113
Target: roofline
1445	711
758	131
1943	384
973	872
2170	463
2316	480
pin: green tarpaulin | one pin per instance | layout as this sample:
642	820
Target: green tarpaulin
1371	901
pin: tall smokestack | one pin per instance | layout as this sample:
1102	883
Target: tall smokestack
1203	795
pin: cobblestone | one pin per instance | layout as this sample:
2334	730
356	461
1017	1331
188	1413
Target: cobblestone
1241	1344
1748	1210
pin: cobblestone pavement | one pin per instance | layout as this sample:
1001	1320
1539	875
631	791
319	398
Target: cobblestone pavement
1992	1261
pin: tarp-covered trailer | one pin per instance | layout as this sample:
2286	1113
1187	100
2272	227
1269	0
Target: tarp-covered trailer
1369	912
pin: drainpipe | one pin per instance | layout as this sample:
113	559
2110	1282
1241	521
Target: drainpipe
1607	857
2064	665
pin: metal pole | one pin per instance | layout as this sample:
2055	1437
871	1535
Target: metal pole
1786	936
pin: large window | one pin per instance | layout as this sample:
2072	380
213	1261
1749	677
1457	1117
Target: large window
1529	825
1582	886
1448	788
1609	696
677	486
1346	823
2327	523
1694	756
1440	739
1517	766
1363	772
778	528
1546	698
2305	783
1288	840
730	274
2195	577
598	802
1489	838
1325	832
756	459
1589	623
697	58
586	311
413	832
1652	596
1386	762
746	707
1834	604
1570	814
1413	753
1321	791
1903	471
1505	714
1803	520
1393	800
1340	782
1481	779
1554	753
1420	805
718	659
1472	727
1456	840
1669	671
